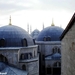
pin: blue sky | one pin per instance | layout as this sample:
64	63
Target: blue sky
36	12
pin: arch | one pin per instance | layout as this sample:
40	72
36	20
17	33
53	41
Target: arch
23	67
44	39
24	42
2	42
29	55
22	56
57	64
57	68
48	38
3	59
56	49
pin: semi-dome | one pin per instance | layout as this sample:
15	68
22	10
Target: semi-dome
35	33
14	36
56	56
51	33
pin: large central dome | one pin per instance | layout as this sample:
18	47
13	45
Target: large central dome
13	36
53	32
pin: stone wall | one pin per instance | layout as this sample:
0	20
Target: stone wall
33	68
68	52
51	62
11	56
46	47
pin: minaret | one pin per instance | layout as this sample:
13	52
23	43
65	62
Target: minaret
28	28
60	25
10	21
52	23
43	25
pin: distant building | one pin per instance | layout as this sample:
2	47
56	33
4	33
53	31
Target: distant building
35	34
49	48
68	48
17	49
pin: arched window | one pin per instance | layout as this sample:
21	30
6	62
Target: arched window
2	42
57	64
56	50
29	55
22	56
3	59
44	39
24	42
26	56
48	38
23	67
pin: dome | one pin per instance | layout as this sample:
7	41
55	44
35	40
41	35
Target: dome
56	56
54	32
2	66
14	35
35	33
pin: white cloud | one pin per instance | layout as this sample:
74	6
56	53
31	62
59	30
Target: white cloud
36	18
14	5
36	12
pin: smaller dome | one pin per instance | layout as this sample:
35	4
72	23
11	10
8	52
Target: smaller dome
53	33
2	66
56	56
35	33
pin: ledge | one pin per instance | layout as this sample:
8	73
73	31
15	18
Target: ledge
29	60
17	48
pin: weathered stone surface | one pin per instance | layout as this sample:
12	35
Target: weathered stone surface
68	52
13	58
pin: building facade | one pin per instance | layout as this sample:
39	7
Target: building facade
17	49
68	48
49	48
35	34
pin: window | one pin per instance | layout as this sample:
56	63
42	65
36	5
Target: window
48	38
2	42
56	50
3	59
23	67
57	64
44	39
26	56
24	42
22	56
29	55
